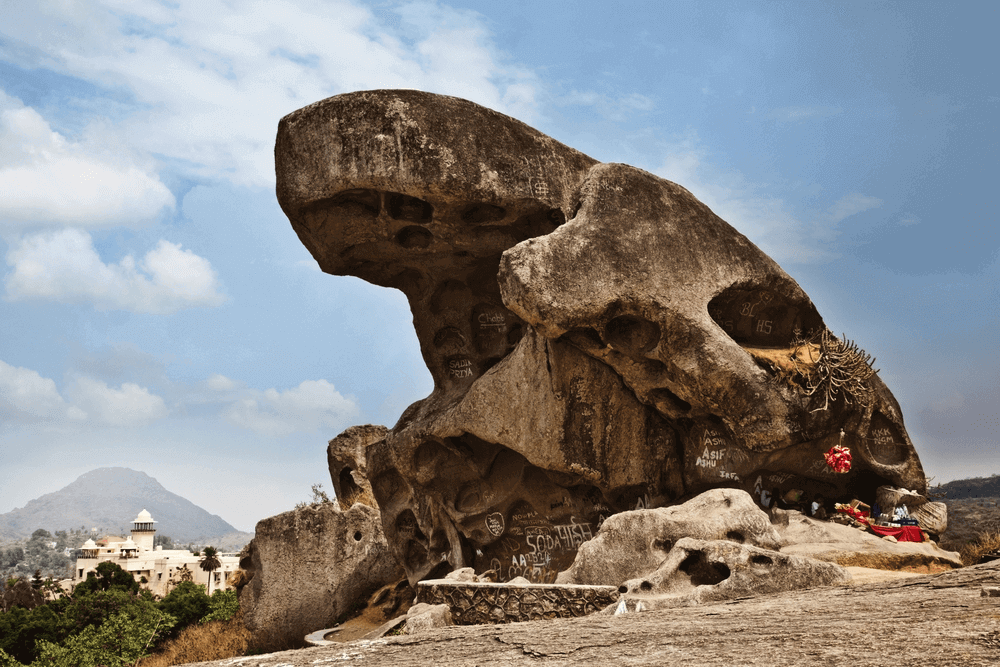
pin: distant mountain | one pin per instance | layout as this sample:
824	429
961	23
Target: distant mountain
109	499
977	487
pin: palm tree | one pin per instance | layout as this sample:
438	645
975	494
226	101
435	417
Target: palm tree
210	563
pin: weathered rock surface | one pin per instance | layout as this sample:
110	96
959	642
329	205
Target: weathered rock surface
423	616
464	574
599	340
699	571
925	620
308	567
347	460
825	540
634	544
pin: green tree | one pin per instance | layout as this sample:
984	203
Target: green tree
210	563
223	605
121	640
7	660
187	603
109	576
11	557
21	629
41	535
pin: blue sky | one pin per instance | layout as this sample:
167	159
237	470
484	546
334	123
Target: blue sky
158	312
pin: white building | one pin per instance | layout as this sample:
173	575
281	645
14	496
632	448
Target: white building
154	568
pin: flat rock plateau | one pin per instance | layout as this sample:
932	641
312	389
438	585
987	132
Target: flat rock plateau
937	619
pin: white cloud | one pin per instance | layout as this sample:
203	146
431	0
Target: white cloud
210	79
27	396
851	204
130	405
767	221
47	180
908	220
64	266
313	404
221	383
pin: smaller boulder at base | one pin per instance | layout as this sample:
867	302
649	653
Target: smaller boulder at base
309	567
633	544
699	571
423	616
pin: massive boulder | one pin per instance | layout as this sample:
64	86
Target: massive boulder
633	544
599	340
310	566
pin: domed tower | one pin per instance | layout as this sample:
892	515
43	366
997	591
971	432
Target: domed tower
143	531
89	550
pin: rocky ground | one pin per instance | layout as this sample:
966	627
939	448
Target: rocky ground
937	619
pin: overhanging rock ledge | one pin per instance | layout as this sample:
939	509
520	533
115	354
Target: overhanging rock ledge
599	339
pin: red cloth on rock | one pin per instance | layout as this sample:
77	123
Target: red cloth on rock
902	534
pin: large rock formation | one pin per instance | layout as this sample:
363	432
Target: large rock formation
307	568
599	339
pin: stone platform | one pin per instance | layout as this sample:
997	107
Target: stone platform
475	603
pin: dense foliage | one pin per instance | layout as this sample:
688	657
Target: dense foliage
43	551
108	620
108	577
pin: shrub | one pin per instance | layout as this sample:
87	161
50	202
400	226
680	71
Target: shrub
207	641
187	603
6	660
223	605
319	497
93	609
841	368
973	552
121	640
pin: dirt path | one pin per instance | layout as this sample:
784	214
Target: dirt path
915	620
